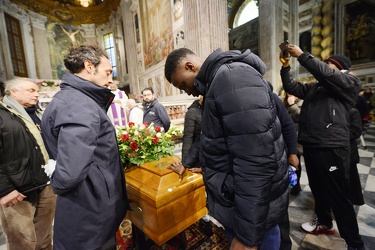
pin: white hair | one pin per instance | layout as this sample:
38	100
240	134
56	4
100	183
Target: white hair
14	84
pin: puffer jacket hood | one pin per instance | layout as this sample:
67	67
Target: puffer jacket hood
218	58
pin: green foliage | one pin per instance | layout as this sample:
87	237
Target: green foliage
142	143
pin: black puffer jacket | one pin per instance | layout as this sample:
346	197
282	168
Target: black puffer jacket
324	118
192	126
21	159
243	149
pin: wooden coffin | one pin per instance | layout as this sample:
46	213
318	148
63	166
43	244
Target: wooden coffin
162	206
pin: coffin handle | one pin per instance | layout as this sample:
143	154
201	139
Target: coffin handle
138	210
135	208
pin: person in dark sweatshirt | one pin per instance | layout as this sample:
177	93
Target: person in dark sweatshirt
324	135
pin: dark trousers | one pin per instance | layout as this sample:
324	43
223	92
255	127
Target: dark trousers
355	187
328	171
284	225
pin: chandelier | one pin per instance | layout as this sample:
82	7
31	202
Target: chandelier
84	3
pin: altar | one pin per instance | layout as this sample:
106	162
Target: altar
162	206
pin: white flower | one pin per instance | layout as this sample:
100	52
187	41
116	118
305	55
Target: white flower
158	134
136	132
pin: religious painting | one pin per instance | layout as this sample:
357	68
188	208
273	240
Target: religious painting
360	31
60	38
156	30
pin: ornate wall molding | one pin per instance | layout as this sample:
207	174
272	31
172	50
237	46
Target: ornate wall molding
16	11
38	21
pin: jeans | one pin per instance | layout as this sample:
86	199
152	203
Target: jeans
271	240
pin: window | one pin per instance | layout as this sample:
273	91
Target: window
17	53
247	12
109	47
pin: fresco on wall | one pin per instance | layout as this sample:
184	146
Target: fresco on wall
60	38
156	30
178	9
360	32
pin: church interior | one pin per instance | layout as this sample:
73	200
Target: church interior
138	35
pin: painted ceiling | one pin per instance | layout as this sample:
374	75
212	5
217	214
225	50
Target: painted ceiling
72	11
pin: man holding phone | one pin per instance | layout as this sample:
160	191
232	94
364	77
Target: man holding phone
324	135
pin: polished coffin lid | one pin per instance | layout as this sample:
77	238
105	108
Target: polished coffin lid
158	185
162	206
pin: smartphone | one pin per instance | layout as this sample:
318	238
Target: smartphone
284	48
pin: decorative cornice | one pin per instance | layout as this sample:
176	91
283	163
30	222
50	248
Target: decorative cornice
16	11
37	20
66	13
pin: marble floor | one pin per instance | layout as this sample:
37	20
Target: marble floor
301	206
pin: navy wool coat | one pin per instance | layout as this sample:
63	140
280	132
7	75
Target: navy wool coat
89	179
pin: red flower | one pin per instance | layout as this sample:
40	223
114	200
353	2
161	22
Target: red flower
131	124
124	137
157	129
155	139
146	124
134	145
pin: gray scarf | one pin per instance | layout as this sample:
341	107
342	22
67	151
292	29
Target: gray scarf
13	104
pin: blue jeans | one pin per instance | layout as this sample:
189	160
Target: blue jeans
271	239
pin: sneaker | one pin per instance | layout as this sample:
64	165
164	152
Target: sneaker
316	228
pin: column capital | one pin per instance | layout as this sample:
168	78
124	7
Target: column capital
38	21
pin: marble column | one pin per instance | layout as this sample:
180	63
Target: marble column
128	11
270	36
206	26
42	58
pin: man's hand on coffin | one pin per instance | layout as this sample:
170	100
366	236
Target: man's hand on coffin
178	168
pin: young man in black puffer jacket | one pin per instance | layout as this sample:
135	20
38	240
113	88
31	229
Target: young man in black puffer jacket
242	146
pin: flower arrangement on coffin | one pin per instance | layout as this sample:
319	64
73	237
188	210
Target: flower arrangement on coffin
145	143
